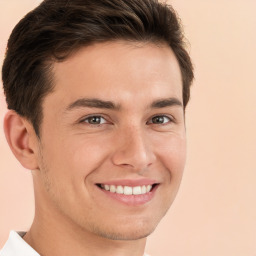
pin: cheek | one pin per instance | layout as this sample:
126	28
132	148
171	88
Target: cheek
75	157
172	153
173	157
84	155
172	148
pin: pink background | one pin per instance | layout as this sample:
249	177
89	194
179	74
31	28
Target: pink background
214	212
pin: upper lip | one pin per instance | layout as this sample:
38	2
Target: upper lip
130	182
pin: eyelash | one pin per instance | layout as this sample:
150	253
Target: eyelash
171	119
94	116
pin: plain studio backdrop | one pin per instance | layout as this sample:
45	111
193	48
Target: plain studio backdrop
214	212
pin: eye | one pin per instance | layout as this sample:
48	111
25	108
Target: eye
95	120
160	120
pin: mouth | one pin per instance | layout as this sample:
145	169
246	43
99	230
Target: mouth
129	195
128	190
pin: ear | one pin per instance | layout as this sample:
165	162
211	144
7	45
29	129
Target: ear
22	139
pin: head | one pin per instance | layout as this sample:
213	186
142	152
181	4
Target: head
97	92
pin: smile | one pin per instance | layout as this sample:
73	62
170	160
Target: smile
127	190
129	195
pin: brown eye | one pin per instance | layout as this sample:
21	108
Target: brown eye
95	120
160	120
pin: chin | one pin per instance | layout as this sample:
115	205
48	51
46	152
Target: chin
132	230
126	235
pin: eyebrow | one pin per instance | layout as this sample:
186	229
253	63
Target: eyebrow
169	102
92	103
98	103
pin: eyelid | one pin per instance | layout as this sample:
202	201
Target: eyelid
172	119
82	120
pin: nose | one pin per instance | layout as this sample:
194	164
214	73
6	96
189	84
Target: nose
133	150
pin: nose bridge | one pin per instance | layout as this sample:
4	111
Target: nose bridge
133	148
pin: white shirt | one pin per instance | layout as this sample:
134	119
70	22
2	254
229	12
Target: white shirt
16	246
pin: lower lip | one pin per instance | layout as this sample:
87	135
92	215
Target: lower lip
131	200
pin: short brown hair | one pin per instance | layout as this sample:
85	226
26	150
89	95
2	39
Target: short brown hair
56	28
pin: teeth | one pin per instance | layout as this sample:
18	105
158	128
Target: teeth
136	190
112	188
119	190
126	190
106	187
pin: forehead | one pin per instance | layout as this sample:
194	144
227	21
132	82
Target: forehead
120	71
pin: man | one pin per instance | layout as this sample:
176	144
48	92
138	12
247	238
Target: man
96	92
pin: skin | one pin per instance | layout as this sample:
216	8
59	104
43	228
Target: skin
72	216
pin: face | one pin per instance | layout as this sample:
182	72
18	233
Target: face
112	146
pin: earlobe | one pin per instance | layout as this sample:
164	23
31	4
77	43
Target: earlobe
20	137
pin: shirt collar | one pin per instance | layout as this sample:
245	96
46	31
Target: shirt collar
16	246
